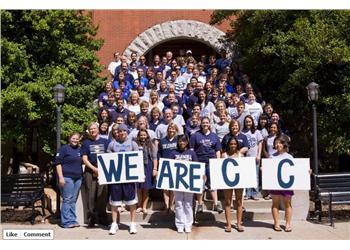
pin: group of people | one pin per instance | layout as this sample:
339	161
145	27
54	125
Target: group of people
175	108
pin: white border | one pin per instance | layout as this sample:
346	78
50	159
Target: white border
178	4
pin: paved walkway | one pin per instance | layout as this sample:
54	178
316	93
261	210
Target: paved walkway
254	230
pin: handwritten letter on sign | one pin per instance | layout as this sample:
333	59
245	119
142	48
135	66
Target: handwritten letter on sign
122	167
231	173
286	174
185	176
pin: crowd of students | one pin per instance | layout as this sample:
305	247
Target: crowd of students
176	108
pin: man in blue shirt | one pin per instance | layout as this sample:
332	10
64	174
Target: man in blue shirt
94	195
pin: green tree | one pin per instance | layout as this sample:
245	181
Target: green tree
40	49
283	51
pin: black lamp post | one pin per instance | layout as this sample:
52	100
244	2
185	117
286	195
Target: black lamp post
312	92
59	99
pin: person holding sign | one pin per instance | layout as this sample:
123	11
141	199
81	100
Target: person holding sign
183	200
122	193
94	196
233	152
150	162
206	145
255	140
281	146
166	146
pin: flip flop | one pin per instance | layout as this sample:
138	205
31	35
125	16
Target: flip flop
228	229
288	230
277	229
240	229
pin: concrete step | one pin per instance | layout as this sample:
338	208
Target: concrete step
254	210
157	216
248	204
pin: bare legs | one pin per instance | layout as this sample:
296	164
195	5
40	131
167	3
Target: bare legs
239	202
169	199
143	198
115	213
288	212
228	199
132	212
275	211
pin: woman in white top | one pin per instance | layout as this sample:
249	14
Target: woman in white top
134	103
207	107
233	152
281	144
255	140
154	101
274	131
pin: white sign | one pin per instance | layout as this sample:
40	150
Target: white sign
122	167
231	173
286	174
178	175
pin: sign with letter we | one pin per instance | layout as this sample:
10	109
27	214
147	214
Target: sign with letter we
122	167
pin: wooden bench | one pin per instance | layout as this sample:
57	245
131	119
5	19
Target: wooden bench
334	189
23	190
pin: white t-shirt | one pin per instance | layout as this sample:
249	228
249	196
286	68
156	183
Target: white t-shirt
161	130
269	145
221	129
255	111
112	66
207	110
253	141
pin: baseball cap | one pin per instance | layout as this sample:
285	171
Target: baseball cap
122	127
189	52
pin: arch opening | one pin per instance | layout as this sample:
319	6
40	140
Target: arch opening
188	30
179	47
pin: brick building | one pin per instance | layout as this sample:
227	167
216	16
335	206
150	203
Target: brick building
149	32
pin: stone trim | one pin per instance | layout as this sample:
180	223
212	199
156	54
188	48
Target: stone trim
171	30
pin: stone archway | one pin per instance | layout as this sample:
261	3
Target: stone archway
166	31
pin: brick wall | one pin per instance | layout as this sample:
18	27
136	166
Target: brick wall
119	28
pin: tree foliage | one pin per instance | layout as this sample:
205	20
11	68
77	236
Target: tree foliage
40	49
283	51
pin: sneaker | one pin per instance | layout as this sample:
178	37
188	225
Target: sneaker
254	198
199	208
188	229
114	228
219	207
132	229
180	230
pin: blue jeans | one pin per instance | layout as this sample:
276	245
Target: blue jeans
69	194
253	192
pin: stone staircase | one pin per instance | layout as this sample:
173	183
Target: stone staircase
254	210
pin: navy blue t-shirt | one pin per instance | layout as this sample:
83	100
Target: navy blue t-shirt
70	159
187	155
241	138
166	147
91	148
205	146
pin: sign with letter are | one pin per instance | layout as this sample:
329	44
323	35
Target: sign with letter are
122	167
178	175
232	173
286	174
